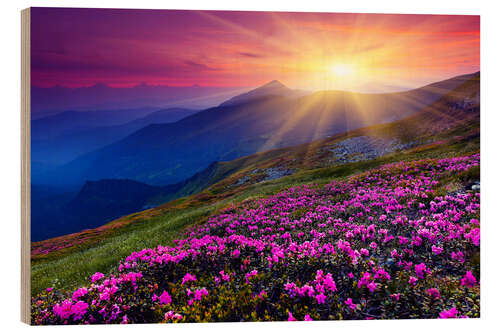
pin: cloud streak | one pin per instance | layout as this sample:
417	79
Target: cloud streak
250	55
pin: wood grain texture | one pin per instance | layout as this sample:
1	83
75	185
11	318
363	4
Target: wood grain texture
25	168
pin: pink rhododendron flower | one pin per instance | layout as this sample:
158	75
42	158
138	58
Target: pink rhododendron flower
437	250
434	293
474	236
171	315
199	293
165	298
451	313
106	293
382	274
372	286
403	240
395	296
349	303
96	277
468	280
188	278
321	298
79	309
290	317
250	275
307	318
458	256
413	280
421	270
323	281
224	276
63	310
474	221
365	279
79	293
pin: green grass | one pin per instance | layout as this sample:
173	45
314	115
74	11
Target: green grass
73	269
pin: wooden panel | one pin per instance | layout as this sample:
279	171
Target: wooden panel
25	168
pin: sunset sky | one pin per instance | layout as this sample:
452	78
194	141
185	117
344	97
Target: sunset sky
313	51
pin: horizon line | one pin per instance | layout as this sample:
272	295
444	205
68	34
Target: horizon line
147	85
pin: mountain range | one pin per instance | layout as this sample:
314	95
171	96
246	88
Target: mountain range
161	154
47	101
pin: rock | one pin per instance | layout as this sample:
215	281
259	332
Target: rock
242	180
276	173
361	148
270	174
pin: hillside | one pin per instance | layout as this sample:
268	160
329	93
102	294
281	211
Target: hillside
259	176
169	153
457	110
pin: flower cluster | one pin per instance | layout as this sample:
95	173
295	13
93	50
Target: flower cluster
387	243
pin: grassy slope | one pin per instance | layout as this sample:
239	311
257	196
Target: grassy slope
81	254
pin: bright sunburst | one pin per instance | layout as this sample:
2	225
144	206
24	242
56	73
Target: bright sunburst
342	69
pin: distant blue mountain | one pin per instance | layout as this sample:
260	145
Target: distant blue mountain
66	122
60	138
57	211
48	101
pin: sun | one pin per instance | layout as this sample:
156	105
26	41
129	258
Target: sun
342	69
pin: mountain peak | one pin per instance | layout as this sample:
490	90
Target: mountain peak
272	88
273	84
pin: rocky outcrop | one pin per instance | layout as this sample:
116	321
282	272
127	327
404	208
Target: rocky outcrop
361	148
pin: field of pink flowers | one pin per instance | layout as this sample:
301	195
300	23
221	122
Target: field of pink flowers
385	244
